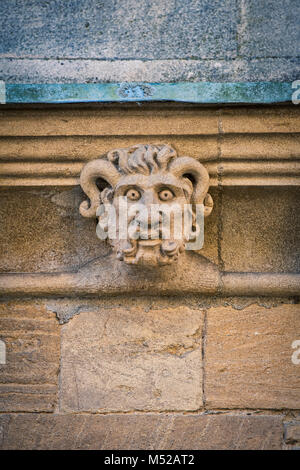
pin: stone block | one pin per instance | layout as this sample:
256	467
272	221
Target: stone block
119	30
125	359
29	379
4	422
269	28
148	431
41	230
260	229
248	357
292	433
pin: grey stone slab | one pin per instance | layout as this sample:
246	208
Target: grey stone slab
118	29
269	28
93	71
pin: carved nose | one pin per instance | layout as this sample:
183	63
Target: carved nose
148	199
154	219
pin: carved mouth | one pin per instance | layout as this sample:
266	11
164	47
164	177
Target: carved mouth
149	242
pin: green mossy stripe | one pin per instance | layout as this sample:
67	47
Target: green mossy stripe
200	92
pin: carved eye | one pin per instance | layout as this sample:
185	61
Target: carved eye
165	195
133	194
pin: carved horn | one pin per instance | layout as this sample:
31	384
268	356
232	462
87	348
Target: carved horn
90	172
189	166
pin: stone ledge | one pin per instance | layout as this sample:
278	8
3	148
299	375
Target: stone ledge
45	70
84	285
224	173
197	92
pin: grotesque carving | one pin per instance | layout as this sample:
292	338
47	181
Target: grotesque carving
148	175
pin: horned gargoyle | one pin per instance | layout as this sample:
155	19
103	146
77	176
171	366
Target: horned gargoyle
146	176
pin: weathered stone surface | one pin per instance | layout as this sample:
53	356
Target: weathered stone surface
122	29
260	229
259	147
162	122
260	120
121	359
248	357
149	41
149	431
56	149
41	230
269	28
106	275
292	434
29	379
125	120
175	70
4	422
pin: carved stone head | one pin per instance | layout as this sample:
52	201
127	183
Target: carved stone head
147	175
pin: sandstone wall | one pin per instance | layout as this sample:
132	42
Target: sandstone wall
199	357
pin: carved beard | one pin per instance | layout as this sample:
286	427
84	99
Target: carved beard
148	252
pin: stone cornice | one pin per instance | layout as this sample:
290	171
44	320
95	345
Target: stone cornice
75	285
239	146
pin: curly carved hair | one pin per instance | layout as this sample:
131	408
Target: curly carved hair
144	159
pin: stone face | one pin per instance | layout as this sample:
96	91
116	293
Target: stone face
248	357
121	29
269	28
29	379
122	359
260	230
149	431
142	178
